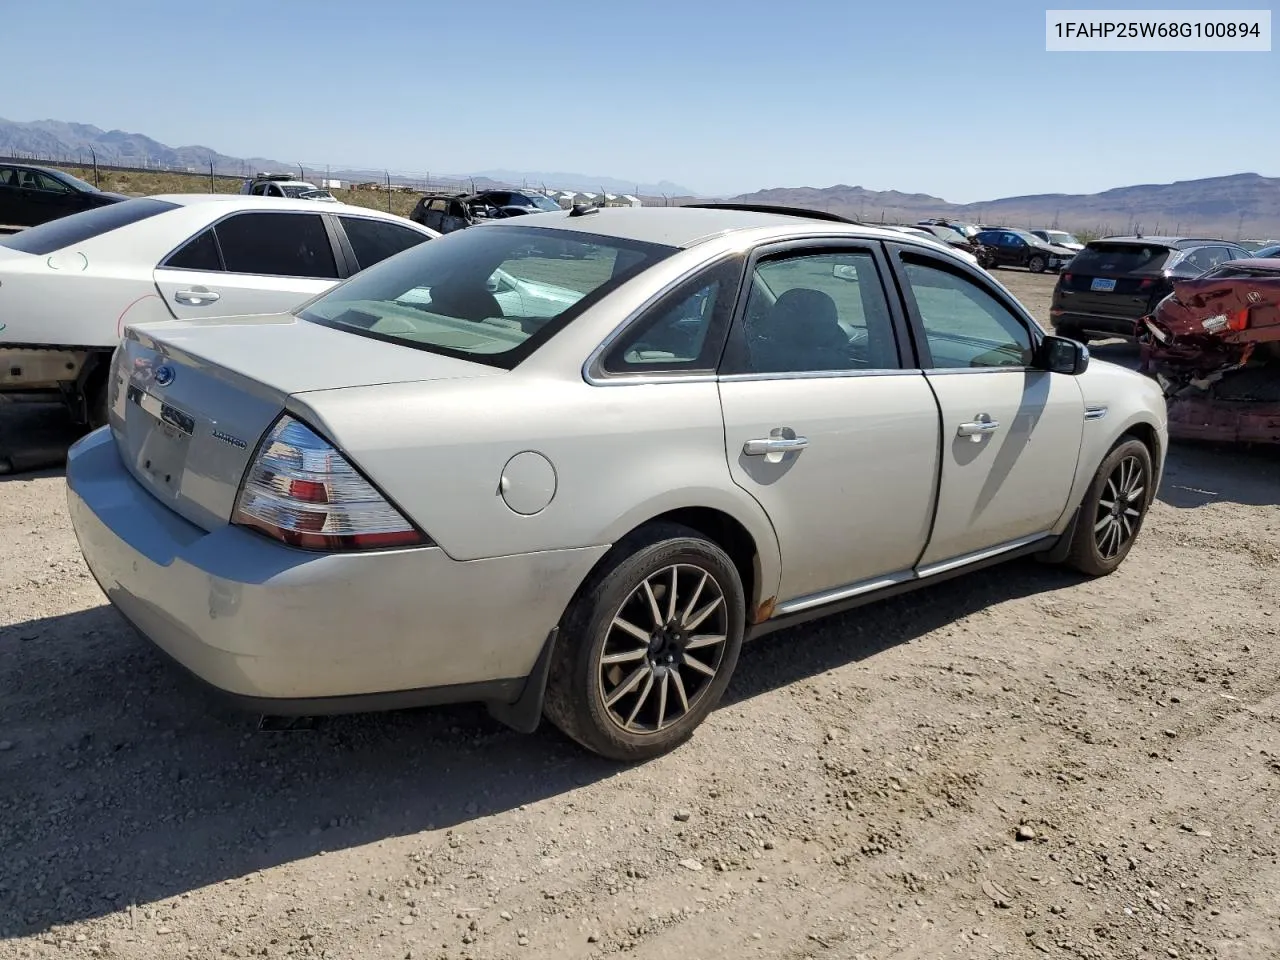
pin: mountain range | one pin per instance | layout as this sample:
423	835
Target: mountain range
57	140
1236	206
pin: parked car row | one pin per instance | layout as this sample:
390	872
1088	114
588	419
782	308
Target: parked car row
1114	282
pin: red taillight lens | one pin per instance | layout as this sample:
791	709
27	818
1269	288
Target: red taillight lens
1066	279
303	492
1238	320
1146	284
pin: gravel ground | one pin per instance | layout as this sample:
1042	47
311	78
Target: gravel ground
1012	764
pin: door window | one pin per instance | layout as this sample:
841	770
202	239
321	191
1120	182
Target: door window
685	330
373	241
964	324
198	253
814	312
278	245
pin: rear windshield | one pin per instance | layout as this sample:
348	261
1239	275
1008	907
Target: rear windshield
492	294
79	227
1120	258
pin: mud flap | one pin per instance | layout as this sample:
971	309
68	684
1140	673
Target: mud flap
1058	552
525	713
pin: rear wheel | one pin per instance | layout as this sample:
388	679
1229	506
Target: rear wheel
1113	509
648	646
1037	264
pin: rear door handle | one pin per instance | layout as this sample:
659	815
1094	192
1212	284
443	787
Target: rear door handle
978	428
772	445
197	296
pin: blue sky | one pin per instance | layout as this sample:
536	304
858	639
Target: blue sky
957	99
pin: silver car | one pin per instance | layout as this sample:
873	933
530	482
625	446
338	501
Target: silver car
573	486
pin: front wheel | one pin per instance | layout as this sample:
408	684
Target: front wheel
1113	509
1036	264
647	648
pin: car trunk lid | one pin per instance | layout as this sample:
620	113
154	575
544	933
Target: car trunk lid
190	400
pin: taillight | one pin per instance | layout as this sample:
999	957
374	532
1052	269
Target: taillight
1238	320
301	491
1066	279
1146	284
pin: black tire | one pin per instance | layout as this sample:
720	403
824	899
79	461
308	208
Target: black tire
577	701
1037	264
95	402
1094	549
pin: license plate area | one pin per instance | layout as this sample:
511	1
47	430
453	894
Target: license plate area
161	456
1103	284
170	418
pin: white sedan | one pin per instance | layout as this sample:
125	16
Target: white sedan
67	288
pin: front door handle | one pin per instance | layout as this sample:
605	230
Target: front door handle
197	296
978	428
781	440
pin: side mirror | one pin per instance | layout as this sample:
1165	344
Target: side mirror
1062	355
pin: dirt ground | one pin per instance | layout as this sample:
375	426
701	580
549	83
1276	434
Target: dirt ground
1014	764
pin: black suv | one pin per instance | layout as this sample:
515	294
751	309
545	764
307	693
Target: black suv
1018	248
33	195
1114	282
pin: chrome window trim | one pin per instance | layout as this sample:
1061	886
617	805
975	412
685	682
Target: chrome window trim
953	371
818	374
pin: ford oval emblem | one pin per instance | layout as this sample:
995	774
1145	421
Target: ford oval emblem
164	375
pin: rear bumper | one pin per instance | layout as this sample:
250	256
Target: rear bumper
288	631
1115	326
1224	421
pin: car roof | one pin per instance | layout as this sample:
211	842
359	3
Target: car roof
271	203
1165	241
35	166
687	226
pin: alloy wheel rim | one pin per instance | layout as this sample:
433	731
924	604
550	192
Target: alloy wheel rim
1119	508
663	649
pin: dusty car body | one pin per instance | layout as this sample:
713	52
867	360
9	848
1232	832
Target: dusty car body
1214	346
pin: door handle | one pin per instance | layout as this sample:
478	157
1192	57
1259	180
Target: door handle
768	445
196	296
978	428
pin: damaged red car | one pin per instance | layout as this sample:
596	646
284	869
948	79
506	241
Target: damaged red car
1214	346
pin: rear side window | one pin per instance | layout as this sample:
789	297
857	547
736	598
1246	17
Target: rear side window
1120	258
198	253
277	245
685	330
79	227
375	240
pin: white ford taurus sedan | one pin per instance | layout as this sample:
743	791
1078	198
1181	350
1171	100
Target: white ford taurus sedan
573	485
69	287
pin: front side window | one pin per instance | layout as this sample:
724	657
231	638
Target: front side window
964	324
484	294
814	312
277	245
